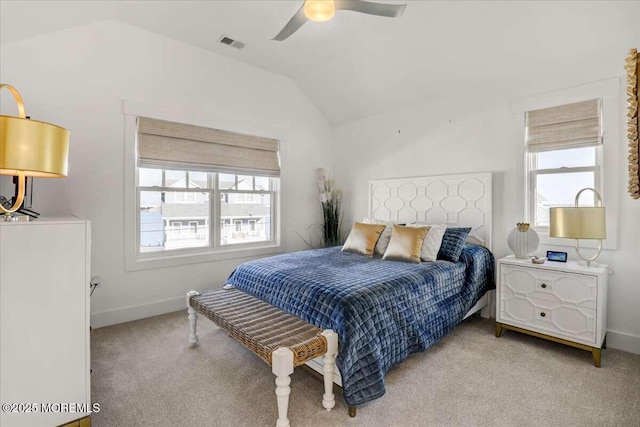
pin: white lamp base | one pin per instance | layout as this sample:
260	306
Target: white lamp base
589	262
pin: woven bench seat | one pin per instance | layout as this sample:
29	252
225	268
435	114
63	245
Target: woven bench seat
261	327
280	339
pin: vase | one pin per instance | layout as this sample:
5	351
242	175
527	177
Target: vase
523	240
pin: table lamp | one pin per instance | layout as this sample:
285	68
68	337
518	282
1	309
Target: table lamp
580	222
30	148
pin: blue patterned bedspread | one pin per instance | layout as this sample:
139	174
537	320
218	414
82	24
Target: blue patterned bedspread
382	310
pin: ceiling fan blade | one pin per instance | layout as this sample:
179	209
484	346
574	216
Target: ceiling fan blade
293	25
371	8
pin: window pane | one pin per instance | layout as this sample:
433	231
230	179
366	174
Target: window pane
245	182
574	157
226	181
173	220
198	180
151	225
175	179
262	183
244	222
560	190
149	177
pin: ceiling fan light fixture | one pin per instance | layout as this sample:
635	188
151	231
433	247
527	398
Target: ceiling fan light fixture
319	10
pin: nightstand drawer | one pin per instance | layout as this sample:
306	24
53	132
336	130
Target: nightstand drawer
569	289
548	317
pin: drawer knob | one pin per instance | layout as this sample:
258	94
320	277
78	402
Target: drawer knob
543	314
543	286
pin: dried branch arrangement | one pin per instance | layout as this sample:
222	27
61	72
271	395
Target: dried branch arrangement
632	66
331	201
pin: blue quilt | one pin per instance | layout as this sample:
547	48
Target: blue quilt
382	310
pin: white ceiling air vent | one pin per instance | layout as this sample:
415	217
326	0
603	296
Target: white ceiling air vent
231	42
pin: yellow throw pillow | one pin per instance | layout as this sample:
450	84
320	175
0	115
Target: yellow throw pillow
406	243
362	238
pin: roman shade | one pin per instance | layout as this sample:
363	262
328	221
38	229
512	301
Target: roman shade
166	144
565	126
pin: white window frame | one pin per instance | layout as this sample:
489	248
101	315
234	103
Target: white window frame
531	173
610	92
215	234
199	117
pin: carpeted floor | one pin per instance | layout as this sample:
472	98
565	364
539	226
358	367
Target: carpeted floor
145	374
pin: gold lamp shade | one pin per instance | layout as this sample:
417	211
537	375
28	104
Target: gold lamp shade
580	223
31	148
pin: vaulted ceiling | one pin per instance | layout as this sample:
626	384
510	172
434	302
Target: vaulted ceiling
359	65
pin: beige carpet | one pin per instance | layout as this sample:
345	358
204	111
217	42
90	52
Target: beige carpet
145	374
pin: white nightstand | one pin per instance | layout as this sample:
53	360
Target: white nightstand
557	301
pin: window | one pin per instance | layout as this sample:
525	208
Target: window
189	178
564	155
169	205
175	216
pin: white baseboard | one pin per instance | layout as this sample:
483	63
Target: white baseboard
136	312
622	341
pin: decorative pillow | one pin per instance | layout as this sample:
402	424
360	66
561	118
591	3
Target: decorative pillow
406	243
432	242
383	241
362	238
452	243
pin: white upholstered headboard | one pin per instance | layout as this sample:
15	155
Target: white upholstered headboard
456	200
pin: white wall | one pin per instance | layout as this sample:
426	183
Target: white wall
78	79
475	133
443	138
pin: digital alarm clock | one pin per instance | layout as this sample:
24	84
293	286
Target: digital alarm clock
557	256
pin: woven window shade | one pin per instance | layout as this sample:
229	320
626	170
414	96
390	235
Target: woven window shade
169	145
565	126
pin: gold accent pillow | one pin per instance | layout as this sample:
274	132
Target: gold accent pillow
362	238
406	243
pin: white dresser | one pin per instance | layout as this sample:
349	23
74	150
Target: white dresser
44	310
561	302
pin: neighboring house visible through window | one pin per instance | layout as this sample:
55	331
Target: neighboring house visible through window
563	155
190	178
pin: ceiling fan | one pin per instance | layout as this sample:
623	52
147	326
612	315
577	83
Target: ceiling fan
324	10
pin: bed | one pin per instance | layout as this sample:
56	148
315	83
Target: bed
384	310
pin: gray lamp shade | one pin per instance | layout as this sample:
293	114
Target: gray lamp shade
578	223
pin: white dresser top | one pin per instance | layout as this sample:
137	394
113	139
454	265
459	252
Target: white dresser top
571	266
45	220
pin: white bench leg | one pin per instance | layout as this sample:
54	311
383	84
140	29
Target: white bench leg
282	367
329	367
193	319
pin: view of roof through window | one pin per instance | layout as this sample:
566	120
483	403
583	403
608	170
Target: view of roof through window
176	209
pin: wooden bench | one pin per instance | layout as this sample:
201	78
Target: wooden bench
282	340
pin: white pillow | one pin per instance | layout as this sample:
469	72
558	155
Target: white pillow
385	237
432	241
